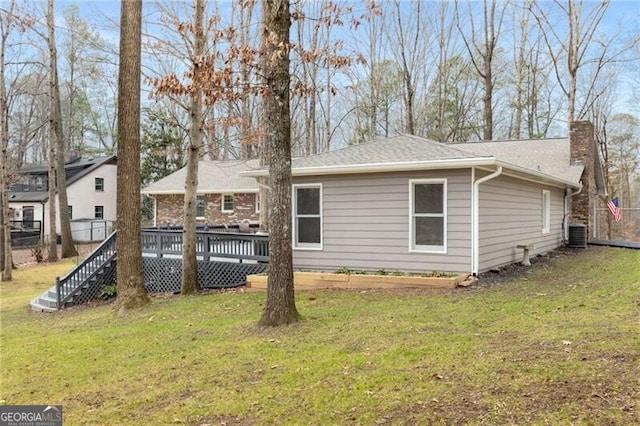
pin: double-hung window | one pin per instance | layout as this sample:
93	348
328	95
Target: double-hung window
227	203
200	206
307	216
98	212
428	215
546	211
99	184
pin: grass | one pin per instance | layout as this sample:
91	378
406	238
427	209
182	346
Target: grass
559	346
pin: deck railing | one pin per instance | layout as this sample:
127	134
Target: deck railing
209	245
70	284
160	243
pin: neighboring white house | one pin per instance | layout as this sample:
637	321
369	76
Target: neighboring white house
91	192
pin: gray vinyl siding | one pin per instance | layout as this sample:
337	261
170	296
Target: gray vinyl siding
366	224
511	214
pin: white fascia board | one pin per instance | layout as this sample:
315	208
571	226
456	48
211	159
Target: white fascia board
381	167
201	191
421	165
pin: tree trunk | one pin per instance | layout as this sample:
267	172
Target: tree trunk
263	185
131	291
7	263
189	261
4	188
280	308
2	219
52	254
488	101
68	249
572	61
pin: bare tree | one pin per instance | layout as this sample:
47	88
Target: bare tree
68	248
482	51
575	50
131	290
9	21
521	19
280	308
189	260
409	50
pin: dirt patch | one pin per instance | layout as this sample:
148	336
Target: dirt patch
24	258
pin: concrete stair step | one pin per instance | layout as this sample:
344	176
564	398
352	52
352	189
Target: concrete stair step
44	303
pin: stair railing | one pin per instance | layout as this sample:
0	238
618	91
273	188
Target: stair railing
72	282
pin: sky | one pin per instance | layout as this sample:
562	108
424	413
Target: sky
622	20
626	11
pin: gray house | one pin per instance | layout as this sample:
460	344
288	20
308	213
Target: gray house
411	204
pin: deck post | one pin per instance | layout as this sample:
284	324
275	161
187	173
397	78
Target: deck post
58	293
158	244
207	248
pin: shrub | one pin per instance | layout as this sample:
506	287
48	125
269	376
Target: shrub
108	292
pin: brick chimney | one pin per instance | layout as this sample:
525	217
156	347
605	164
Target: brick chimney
583	152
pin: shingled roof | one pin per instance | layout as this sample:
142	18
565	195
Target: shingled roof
394	149
548	156
546	159
214	177
75	170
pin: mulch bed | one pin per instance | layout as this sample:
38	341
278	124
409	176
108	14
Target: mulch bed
517	270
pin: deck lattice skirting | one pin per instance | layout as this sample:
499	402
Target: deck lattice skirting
224	261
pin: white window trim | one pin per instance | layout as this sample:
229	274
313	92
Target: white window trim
546	211
294	206
413	248
257	201
95	184
204	210
222	203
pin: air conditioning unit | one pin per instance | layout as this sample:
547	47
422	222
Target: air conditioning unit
578	235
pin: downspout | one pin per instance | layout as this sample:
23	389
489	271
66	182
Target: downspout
475	225
155	211
43	202
567	197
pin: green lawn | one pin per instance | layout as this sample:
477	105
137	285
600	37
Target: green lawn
560	346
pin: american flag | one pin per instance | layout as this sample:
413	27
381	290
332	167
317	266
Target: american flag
614	207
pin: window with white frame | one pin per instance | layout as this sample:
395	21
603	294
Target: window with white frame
199	205
428	215
98	212
307	216
99	184
227	202
546	211
257	202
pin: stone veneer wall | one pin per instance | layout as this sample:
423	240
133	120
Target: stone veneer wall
170	210
583	149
